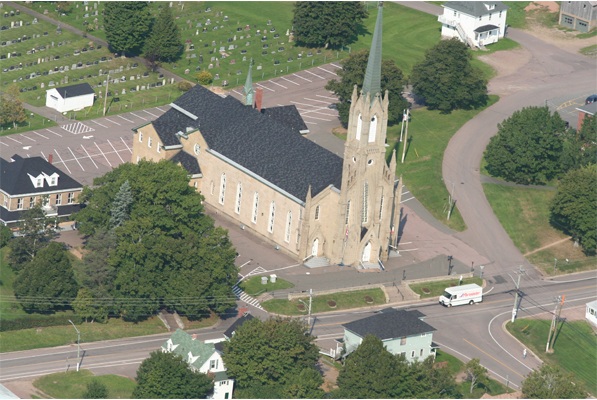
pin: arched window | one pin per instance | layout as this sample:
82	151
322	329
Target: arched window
222	188
317	212
272	216
359	127
239	194
373	129
288	226
364	211
255	207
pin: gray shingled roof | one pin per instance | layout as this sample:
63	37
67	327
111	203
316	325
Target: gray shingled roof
475	8
254	140
188	162
75	90
15	181
486	28
390	324
289	116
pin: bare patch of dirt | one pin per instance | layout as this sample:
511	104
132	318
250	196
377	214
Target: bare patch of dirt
507	62
551	6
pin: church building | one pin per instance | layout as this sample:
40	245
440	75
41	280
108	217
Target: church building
254	166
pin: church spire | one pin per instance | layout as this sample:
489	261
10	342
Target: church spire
248	89
372	82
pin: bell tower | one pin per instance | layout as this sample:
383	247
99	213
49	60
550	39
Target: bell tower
367	195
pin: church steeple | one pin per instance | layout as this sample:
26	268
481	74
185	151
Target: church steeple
372	82
248	89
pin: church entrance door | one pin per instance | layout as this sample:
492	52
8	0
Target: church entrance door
315	248
366	253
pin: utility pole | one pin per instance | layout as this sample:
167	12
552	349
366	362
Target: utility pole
106	96
310	301
451	202
78	345
402	126
405	136
554	320
519	273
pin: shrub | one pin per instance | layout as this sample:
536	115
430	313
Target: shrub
204	77
184	85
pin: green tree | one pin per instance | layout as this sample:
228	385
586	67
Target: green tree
270	353
168	376
96	390
5	235
372	372
64	7
127	24
121	205
164	43
96	271
88	307
204	78
11	107
35	232
527	147
328	23
305	385
47	283
446	80
573	207
475	373
580	147
551	382
353	73
424	380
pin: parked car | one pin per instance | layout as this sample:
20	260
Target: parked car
591	99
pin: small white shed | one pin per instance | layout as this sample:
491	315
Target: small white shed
69	98
591	313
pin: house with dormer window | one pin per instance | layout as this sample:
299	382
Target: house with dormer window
202	357
24	182
476	23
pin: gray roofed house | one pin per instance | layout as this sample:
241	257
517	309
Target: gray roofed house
75	90
476	23
25	181
578	15
402	332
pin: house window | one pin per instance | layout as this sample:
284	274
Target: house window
31	202
317	212
423	334
149	143
402	340
347	212
53	181
213	364
490	16
239	195
222	188
480	17
403	354
19	204
58	199
159	147
421	353
255	207
364	211
454	12
226	395
288	225
140	137
500	15
71	198
272	216
381	208
39	182
412	354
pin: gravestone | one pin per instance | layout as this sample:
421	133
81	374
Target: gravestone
210	66
186	71
43	85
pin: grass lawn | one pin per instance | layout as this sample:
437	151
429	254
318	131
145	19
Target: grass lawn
72	385
343	300
589	50
9	307
574	346
254	287
435	289
33	122
516	17
524	214
429	132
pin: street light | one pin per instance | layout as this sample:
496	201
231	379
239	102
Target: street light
78	344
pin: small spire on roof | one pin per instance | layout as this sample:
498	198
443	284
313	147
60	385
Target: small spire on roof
248	89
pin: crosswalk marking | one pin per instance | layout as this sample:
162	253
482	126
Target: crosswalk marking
77	128
246	298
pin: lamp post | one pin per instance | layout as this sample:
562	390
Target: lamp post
78	344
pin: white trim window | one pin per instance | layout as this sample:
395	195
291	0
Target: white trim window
239	195
140	137
159	147
149	142
31	202
71	198
288	226
222	188
58	199
255	207
272	216
20	203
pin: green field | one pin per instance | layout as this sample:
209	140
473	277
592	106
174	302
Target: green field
574	346
72	385
436	288
33	122
254	287
9	307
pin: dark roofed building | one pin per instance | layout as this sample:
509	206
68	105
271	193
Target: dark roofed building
402	332
26	181
69	98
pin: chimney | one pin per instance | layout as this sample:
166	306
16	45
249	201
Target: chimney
258	98
194	336
50	158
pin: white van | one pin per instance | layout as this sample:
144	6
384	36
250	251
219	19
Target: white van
464	294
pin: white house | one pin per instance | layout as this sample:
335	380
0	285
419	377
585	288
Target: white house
476	23
202	357
591	312
69	98
401	332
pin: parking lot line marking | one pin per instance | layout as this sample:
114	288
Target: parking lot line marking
61	160
120	116
86	152
335	65
2	143
237	92
329	72
159	109
103	154
153	115
13	139
114	122
318	119
110	143
75	158
275	83
319	76
27	137
311	123
39	134
99	123
318	101
51	131
288	80
327	97
298	76
265	87
127	146
138	116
